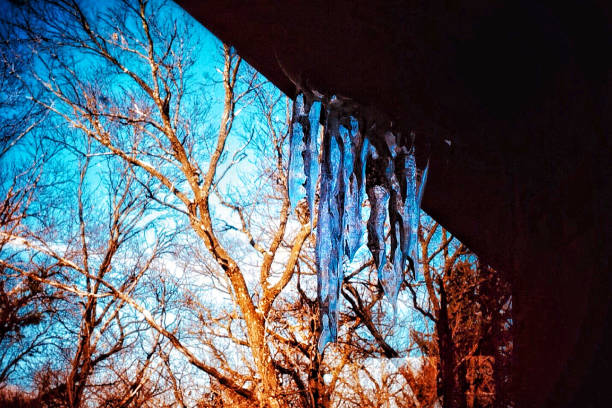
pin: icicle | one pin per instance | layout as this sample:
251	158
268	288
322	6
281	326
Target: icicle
361	152
297	177
391	143
329	248
359	147
352	223
397	220
378	195
391	276
397	212
304	152
411	212
422	184
415	217
311	154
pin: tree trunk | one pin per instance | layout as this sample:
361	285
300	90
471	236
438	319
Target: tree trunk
451	388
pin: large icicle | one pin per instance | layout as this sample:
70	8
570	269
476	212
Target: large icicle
415	219
400	222
329	247
297	177
391	276
395	276
303	151
352	228
378	195
360	146
412	214
311	154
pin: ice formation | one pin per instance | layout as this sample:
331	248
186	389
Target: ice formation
352	140
329	248
411	212
303	151
297	175
353	143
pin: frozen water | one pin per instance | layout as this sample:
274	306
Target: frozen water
391	143
379	197
414	208
311	154
392	281
411	211
329	247
297	177
304	151
352	223
422	184
352	216
391	276
393	185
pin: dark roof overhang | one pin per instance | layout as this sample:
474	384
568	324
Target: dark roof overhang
522	93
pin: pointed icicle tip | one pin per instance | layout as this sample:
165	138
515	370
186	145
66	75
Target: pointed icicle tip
325	337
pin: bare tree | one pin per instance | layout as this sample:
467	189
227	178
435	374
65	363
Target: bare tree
25	307
96	258
146	128
470	306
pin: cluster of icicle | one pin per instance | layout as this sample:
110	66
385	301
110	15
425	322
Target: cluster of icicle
350	142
